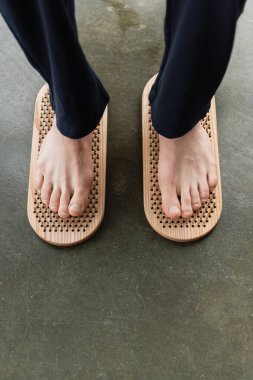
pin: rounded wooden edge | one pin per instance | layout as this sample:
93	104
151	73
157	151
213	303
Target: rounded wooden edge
182	241
70	244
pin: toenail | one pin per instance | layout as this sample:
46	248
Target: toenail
174	209
76	207
53	207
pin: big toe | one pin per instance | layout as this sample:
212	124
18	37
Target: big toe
170	204
78	203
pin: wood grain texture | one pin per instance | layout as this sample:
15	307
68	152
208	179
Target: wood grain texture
204	220
48	225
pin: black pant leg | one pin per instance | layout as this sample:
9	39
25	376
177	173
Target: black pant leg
199	36
47	33
241	7
70	7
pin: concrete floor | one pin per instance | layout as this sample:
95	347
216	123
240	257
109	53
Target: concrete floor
128	304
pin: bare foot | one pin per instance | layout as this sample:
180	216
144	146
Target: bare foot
187	172
64	173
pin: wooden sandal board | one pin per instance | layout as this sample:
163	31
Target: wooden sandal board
48	225
203	220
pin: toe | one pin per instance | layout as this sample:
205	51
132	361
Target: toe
39	179
212	178
55	200
170	204
196	201
203	190
79	202
63	210
186	203
46	192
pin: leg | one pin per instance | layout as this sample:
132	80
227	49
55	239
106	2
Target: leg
70	6
199	36
46	30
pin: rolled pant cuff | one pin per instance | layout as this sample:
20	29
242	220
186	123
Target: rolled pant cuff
83	126
163	125
77	116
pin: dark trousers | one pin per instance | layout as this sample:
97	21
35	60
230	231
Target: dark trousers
199	37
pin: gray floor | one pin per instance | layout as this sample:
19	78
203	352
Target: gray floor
128	304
